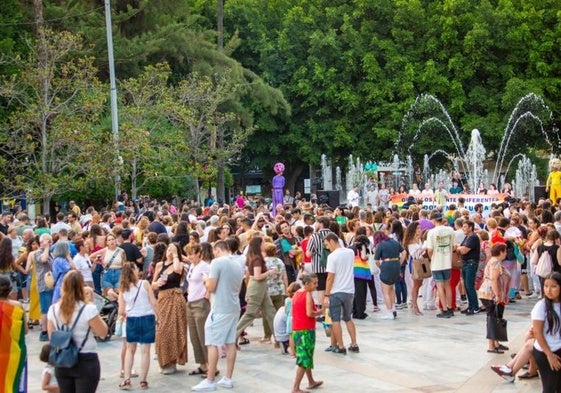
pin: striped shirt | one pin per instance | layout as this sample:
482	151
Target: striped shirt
315	246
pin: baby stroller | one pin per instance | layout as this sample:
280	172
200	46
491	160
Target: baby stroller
107	309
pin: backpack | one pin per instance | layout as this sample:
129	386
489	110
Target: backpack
64	352
323	259
545	264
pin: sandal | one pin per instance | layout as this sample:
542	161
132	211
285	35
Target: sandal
495	350
527	375
243	341
143	385
416	311
134	374
198	371
125	385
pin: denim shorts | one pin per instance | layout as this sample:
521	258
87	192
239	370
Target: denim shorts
141	330
111	278
441	275
389	272
24	279
45	300
341	306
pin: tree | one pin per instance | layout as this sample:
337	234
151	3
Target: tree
150	148
48	142
195	108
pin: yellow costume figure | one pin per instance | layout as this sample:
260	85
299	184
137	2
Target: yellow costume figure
553	183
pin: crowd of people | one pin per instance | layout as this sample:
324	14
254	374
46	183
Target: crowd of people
210	271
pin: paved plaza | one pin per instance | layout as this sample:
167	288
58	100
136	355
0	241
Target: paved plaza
409	354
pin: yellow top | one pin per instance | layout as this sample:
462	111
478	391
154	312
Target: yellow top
554	179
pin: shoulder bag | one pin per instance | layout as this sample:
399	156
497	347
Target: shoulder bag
117	252
421	266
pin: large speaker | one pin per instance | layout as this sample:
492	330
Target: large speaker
539	192
330	198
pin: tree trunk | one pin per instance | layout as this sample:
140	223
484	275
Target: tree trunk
134	177
46	204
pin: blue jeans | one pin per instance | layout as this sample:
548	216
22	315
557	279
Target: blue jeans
469	269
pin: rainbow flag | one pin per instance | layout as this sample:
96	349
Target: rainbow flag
13	352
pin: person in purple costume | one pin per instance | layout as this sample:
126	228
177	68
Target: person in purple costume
278	186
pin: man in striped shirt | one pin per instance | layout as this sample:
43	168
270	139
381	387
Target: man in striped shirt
315	250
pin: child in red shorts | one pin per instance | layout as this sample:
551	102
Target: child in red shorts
304	313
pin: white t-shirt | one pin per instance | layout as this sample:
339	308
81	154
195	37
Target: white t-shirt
538	314
279	325
81	328
340	262
83	265
441	240
51	371
353	198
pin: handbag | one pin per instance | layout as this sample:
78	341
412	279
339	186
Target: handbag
327	323
485	290
545	264
119	326
64	352
361	268
375	269
49	280
456	261
421	267
496	327
518	254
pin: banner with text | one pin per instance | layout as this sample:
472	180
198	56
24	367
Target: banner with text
429	202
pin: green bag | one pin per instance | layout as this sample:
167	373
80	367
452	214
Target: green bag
324	253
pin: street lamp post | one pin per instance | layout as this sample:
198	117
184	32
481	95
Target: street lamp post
113	91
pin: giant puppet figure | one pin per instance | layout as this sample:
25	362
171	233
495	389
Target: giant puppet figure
278	186
553	184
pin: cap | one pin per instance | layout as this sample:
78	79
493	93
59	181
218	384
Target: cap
126	233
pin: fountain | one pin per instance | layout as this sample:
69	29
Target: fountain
526	178
427	111
326	173
475	155
338	179
518	115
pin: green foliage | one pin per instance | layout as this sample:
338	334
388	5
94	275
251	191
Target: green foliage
48	136
352	69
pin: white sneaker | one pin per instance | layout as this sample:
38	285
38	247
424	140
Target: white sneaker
204	386
533	296
225	382
387	316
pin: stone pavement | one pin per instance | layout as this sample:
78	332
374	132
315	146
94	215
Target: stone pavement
409	354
